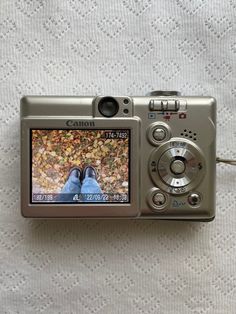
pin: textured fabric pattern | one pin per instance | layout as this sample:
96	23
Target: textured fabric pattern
86	47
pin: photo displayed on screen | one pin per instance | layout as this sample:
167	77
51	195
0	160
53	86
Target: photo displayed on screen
80	166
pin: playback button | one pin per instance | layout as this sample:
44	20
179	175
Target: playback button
158	133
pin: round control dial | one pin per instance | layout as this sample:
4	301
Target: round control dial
177	166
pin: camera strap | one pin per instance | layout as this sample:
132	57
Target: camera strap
231	162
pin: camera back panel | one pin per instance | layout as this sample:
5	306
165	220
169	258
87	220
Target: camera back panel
171	159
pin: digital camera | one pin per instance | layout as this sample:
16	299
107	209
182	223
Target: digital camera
144	157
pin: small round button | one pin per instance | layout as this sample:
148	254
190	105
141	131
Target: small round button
159	134
159	199
194	199
177	166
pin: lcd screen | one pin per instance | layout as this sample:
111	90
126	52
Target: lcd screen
80	166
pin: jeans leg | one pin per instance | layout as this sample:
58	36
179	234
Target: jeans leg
71	187
89	187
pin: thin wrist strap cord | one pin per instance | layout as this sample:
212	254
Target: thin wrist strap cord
231	162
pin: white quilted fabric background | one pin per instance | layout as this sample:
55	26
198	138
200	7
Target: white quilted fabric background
79	47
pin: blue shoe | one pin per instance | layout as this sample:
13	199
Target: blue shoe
89	172
75	172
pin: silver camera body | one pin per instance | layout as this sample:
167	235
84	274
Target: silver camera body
171	146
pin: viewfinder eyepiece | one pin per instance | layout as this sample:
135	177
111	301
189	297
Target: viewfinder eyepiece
108	107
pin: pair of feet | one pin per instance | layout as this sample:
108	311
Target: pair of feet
87	172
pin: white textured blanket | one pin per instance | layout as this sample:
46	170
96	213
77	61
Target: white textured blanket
79	47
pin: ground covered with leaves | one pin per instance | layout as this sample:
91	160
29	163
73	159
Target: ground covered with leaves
55	152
